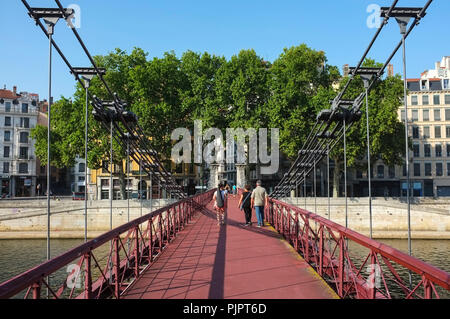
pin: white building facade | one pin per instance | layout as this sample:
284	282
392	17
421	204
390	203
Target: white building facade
18	115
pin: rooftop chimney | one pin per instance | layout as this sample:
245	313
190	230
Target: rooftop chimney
390	70
345	69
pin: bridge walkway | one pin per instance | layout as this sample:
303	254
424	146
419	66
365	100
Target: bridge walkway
207	261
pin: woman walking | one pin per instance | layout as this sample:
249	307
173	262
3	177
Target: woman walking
245	204
219	199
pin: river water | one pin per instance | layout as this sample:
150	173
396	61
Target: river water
17	256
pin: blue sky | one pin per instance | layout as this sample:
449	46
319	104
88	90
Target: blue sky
219	27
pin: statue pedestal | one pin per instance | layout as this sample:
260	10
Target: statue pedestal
213	176
241	179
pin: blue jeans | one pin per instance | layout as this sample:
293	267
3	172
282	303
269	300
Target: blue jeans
259	210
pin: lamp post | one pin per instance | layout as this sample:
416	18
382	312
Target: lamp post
367	74
403	16
87	74
51	17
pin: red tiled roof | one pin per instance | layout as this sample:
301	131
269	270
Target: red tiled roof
434	79
6	94
412	80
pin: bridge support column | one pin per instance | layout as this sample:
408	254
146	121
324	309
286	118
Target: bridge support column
241	179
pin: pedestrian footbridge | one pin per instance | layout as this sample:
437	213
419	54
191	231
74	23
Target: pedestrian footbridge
180	252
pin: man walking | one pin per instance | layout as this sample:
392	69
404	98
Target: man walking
259	200
245	205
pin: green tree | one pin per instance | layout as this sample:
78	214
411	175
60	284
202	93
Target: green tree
152	90
387	133
297	76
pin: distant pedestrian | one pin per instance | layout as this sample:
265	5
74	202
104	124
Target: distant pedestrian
220	204
234	190
245	205
259	200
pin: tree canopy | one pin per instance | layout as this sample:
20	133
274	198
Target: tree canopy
243	91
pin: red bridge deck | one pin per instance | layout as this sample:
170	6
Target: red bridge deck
231	261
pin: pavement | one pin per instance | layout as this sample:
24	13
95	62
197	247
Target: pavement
233	261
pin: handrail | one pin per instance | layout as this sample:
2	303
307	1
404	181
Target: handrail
311	247
37	274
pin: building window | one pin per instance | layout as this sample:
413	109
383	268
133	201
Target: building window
116	183
105	195
8	107
24	137
446	84
104	183
404	170
5	167
415	130
6	152
7	136
447	114
191	168
380	171
416	151
448	169
448	150
437	115
425	100
424	84
403	115
427	150
438	149
7	121
81	167
23	153
24	122
426	132
415	115
24	108
447	99
23	168
179	168
427	169
437	132
439	169
414	100
426	115
436	99
416	169
81	178
391	171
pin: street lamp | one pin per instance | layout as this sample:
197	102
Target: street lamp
367	74
403	16
87	74
51	17
105	111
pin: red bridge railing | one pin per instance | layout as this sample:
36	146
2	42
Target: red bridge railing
107	265
353	264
